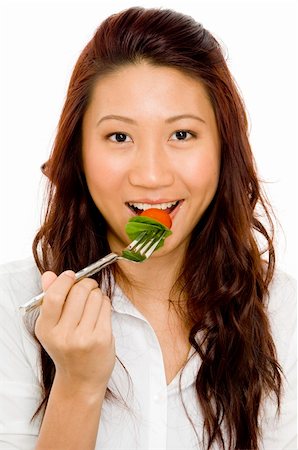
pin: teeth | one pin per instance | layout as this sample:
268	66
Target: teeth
144	206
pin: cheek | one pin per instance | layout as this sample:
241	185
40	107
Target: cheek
103	174
202	172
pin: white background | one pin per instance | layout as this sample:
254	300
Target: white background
40	42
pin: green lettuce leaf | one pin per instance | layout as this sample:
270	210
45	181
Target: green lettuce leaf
139	224
137	257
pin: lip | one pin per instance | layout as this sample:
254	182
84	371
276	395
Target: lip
153	202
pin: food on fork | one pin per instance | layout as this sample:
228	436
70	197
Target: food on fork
159	215
154	222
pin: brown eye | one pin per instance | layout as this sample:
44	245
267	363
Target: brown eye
119	137
182	135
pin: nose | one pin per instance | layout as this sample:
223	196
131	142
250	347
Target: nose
151	167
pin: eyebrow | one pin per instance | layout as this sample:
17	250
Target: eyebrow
184	116
131	121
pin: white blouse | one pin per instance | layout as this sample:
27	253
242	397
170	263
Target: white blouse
151	415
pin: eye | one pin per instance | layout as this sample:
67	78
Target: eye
119	137
182	135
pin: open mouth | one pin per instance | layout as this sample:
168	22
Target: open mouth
138	208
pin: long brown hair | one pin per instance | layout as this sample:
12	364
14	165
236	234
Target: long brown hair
224	276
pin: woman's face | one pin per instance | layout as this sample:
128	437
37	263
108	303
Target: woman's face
150	140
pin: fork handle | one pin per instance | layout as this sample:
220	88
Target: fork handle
86	272
96	267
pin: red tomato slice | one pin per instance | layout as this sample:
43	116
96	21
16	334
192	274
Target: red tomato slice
159	215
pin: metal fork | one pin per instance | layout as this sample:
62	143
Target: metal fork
143	246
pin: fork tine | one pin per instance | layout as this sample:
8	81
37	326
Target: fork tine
136	241
147	244
153	247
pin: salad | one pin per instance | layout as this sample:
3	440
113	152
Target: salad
152	221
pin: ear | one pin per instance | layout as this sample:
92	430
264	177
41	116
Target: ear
45	168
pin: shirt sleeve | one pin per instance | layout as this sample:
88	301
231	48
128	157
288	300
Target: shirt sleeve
19	386
280	432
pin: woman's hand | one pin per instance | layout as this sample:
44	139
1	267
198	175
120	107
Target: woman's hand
74	327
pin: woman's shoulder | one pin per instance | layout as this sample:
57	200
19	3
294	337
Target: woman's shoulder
282	292
19	354
282	313
19	266
19	281
281	431
282	283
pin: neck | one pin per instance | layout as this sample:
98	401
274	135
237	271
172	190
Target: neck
155	277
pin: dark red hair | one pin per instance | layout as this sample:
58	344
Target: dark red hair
224	276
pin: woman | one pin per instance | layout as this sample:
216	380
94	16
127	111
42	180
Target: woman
192	348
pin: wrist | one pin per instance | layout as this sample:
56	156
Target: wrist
70	388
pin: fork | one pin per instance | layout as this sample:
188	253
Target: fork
142	248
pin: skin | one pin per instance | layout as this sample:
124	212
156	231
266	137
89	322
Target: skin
151	165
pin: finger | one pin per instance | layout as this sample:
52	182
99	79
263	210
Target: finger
55	297
75	304
104	320
91	311
47	279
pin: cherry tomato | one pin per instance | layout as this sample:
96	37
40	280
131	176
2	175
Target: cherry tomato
159	215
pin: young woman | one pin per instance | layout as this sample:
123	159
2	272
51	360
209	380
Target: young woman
193	348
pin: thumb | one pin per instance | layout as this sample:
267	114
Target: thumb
47	279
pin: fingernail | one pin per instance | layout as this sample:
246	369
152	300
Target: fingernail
69	273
